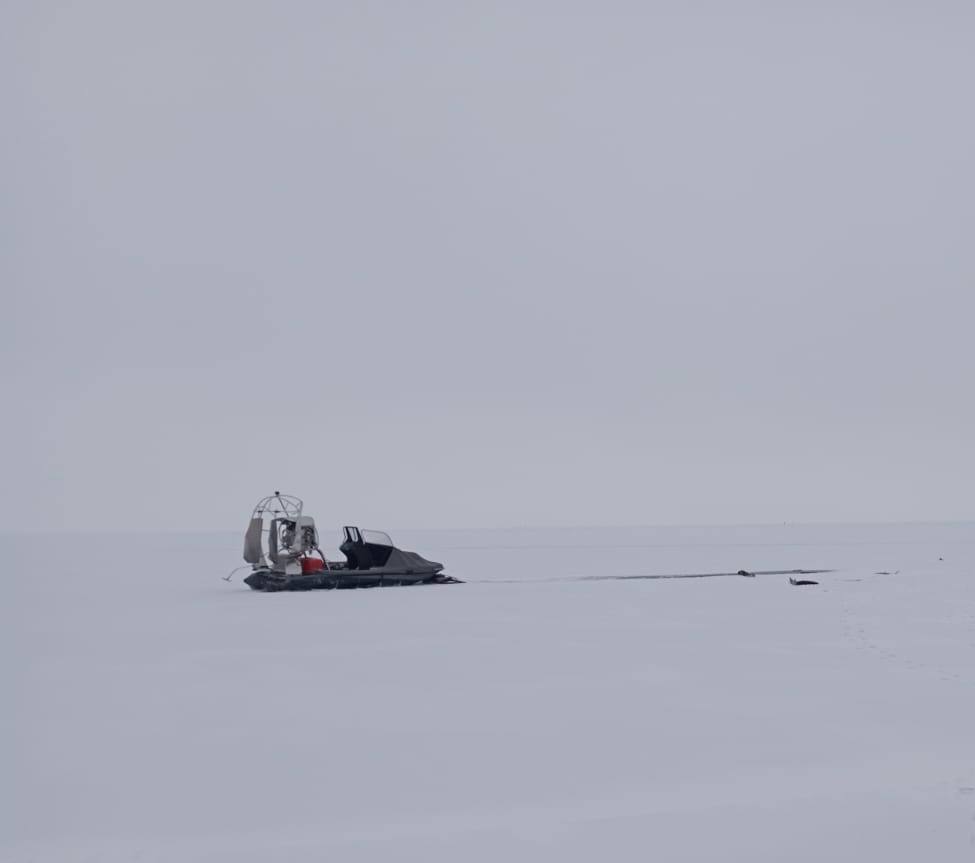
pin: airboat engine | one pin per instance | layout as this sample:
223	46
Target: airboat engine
281	538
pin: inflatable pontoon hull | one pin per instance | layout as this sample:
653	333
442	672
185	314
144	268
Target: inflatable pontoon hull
337	579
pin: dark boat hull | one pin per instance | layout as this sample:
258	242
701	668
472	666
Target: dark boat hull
340	579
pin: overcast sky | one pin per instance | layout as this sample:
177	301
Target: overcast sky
487	264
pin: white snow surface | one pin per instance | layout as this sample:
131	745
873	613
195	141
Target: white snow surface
157	713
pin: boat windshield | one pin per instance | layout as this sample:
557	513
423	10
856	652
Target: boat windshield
376	537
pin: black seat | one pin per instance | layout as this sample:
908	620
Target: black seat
352	548
361	554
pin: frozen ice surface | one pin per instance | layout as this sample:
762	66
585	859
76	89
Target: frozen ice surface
157	713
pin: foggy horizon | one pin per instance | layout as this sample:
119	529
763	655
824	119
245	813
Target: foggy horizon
330	532
493	266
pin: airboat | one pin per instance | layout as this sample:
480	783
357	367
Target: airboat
282	547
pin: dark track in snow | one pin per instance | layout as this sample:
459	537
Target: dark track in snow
654	576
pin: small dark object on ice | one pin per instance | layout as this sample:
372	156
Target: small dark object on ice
745	572
801	582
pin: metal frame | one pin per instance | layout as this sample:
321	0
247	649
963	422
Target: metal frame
288	506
